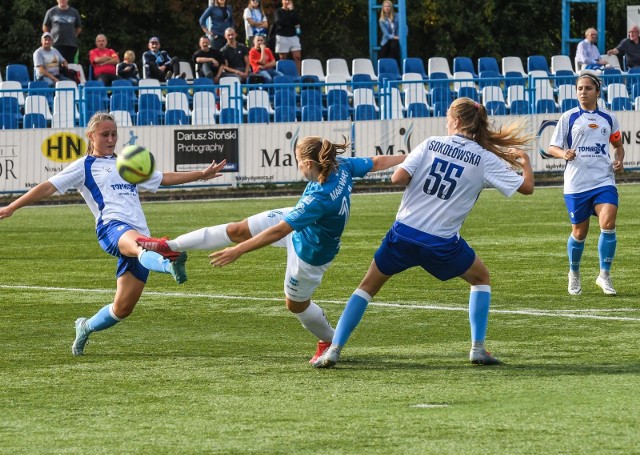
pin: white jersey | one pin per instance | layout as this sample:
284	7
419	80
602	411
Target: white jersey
589	134
447	175
108	196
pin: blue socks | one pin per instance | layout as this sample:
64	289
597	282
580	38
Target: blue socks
574	249
103	319
607	248
154	261
351	316
479	299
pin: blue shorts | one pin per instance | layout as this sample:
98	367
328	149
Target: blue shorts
405	247
582	205
108	236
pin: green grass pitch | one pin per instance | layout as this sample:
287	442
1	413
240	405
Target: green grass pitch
218	365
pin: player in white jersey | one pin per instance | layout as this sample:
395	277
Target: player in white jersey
443	177
310	231
582	138
119	220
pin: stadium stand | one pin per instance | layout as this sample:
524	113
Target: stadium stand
338	66
413	65
464	64
19	73
32	120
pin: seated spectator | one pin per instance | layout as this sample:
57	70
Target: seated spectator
159	64
236	56
127	69
47	62
209	62
255	21
262	60
221	16
587	53
103	61
629	47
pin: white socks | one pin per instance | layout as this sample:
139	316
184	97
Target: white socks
314	320
209	238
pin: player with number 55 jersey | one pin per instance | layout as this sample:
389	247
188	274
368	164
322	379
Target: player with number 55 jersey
444	177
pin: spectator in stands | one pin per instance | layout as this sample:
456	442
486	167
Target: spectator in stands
208	62
236	56
127	69
255	21
389	25
64	24
581	138
587	54
221	16
629	47
47	62
288	31
262	60
104	61
159	64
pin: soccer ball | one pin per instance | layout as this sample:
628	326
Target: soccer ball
135	164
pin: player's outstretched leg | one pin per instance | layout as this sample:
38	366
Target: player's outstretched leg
156	262
159	246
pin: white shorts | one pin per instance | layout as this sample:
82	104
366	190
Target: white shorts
301	278
286	44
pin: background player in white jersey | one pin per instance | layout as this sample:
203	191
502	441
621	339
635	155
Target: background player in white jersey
119	220
582	137
444	176
310	231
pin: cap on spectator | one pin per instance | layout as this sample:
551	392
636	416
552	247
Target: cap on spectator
154	39
47	35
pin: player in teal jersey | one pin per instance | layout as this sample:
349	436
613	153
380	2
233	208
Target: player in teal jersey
310	231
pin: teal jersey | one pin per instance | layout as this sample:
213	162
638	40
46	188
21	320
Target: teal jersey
321	214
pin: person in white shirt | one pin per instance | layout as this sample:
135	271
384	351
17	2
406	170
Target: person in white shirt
119	220
444	176
587	52
582	138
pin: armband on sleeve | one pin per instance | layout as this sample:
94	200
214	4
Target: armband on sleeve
615	137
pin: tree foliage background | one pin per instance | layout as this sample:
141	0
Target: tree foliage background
336	28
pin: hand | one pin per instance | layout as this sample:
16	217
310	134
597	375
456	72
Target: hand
224	257
5	212
618	168
520	154
569	155
213	171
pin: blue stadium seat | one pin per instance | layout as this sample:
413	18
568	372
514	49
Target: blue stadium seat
8	122
258	115
177	84
360	80
34	120
414	65
288	68
285	114
565	77
489	78
390	66
488	64
121	101
441	95
464	64
568	103
176	117
41	88
337	97
338	112
621	104
519	107
203	84
10	107
284	97
514	78
310	96
149	102
545	106
18	72
496	108
417	110
149	117
229	115
312	113
437	79
537	63
440	109
365	112
469	92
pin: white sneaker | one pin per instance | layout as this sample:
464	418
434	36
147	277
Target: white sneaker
575	286
329	358
482	357
606	285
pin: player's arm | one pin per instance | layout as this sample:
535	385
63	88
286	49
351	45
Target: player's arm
266	237
527	172
618	152
558	152
382	162
37	193
400	177
176	178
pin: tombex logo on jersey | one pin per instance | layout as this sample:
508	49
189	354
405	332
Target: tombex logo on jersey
63	147
596	149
